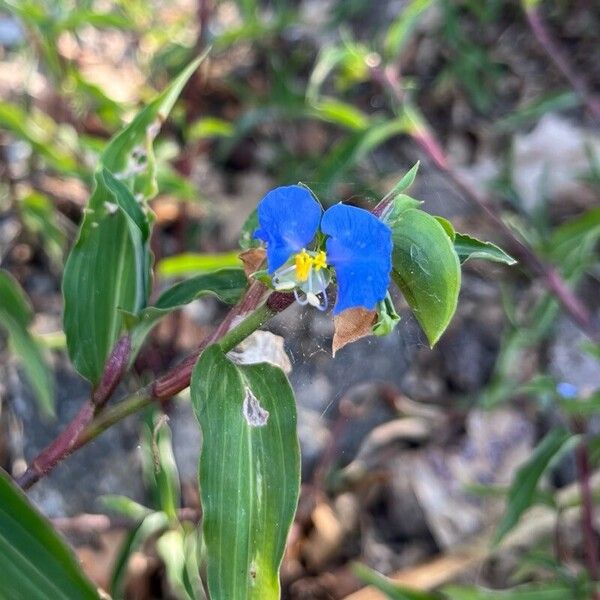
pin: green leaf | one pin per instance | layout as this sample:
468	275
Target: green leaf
210	127
80	17
468	247
170	549
581	407
40	217
173	547
125	153
13	300
399	204
405	182
192	264
397	200
158	461
227	285
328	59
139	233
569	237
104	273
426	269
534	591
250	463
150	526
535	110
109	267
39	131
524	485
34	561
340	113
387	317
125	506
400	30
15	316
448	228
392	590
355	147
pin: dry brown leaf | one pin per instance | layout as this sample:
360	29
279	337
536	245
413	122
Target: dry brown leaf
436	572
351	325
252	259
331	526
538	523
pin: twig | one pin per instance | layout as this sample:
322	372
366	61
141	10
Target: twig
203	14
559	58
64	444
89	423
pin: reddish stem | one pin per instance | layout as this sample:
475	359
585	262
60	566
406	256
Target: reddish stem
116	367
573	306
59	448
66	442
558	57
553	281
178	378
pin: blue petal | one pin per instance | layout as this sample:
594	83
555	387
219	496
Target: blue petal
360	250
288	217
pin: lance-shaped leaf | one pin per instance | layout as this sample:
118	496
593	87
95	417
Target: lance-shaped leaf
34	561
15	317
249	473
178	550
468	247
389	588
189	263
149	526
522	490
227	285
108	268
426	268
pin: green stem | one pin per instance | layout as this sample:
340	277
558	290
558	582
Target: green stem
144	396
244	328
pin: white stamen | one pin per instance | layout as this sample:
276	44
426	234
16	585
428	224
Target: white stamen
325	302
302	301
285	271
313	300
322	289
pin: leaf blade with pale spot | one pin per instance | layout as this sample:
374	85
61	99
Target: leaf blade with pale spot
249	473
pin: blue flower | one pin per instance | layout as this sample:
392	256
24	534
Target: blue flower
567	390
357	249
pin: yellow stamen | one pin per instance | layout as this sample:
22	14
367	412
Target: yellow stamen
320	260
303	262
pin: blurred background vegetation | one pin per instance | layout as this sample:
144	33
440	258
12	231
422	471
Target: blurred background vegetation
409	455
